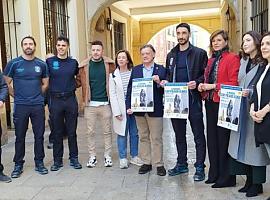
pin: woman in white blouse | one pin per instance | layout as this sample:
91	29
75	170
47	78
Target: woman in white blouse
260	108
123	124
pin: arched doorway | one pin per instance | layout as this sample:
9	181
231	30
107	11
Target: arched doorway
138	30
165	40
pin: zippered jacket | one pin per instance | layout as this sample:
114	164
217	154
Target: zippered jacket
196	64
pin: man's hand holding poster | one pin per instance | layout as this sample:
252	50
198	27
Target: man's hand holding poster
142	95
176	104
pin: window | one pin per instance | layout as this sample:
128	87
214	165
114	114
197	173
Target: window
118	30
169	31
173	32
8	43
55	22
259	15
169	46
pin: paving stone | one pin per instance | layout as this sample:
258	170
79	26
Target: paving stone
100	183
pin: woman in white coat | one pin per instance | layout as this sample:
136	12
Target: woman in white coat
123	124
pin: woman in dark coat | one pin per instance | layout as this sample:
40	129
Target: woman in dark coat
248	159
260	108
222	68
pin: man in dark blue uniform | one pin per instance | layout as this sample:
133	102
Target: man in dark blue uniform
3	95
30	81
63	104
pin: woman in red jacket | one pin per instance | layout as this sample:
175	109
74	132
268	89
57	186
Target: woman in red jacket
222	68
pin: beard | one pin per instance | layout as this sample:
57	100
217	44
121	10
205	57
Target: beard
182	41
96	58
29	51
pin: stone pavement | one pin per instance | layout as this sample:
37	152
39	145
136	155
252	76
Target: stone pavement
102	183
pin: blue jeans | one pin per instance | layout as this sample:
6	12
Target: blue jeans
131	129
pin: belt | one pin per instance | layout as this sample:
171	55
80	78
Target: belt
62	94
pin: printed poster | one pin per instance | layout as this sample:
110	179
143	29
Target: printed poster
142	95
229	107
176	100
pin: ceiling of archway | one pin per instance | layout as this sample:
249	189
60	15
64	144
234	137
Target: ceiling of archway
144	10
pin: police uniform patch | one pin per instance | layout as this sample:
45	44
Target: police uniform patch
20	70
55	65
37	69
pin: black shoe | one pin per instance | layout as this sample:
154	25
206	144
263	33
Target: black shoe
254	190
56	166
145	169
74	162
246	186
18	170
161	171
41	169
209	181
229	182
199	174
50	145
217	185
4	178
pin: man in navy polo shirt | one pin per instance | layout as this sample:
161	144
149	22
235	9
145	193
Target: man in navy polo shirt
63	104
29	76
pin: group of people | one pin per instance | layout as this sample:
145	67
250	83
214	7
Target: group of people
106	93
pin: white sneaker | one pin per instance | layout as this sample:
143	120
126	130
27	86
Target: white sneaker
123	163
136	161
108	161
92	162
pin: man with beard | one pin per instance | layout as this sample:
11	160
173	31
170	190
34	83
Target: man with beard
186	63
29	76
94	79
63	104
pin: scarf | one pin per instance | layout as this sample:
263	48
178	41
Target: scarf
214	68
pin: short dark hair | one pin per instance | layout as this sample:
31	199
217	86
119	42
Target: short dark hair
28	37
184	25
224	35
148	46
97	42
130	62
63	38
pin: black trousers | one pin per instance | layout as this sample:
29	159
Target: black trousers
51	129
64	114
196	122
1	166
217	144
51	133
22	113
256	174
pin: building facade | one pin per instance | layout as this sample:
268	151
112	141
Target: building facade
118	24
45	20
